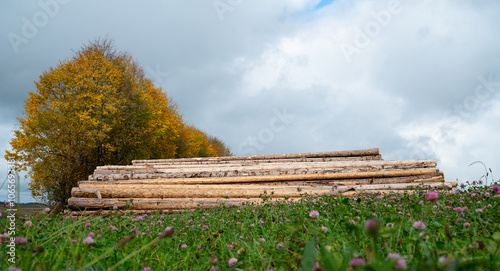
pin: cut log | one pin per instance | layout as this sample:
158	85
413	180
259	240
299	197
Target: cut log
297	177
233	164
239	186
196	193
408	186
252	166
193	183
322	168
257	161
157	203
366	152
425	178
213	191
201	186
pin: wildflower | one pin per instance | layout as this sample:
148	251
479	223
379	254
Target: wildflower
357	262
419	225
147	268
400	261
262	240
91	234
400	264
372	226
88	240
213	259
424	236
443	261
214	268
28	224
496	188
391	225
479	210
19	240
73	241
47	209
380	197
13	268
184	246
466	224
393	256
232	261
323	228
314	214
280	245
87	224
116	208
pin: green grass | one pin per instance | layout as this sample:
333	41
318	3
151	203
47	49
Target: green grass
277	236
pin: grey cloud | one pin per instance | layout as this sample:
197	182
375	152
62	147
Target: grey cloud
229	75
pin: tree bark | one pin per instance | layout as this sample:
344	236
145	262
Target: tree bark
277	178
366	152
124	173
214	191
195	193
255	161
156	203
425	178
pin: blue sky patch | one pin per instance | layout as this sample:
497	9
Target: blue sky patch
323	3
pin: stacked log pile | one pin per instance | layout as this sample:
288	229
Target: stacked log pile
191	183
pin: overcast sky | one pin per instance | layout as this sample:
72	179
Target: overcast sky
417	79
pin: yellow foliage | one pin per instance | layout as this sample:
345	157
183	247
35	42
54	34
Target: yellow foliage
94	109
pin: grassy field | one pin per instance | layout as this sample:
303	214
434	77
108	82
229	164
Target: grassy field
423	230
26	209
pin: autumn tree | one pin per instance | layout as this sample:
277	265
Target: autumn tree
94	109
219	146
193	142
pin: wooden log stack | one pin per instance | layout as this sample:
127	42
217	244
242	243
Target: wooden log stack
192	183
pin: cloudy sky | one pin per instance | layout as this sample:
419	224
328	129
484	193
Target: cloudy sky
417	79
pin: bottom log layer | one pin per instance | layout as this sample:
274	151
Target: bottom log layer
158	203
235	191
205	203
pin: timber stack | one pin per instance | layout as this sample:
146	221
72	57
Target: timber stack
193	183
